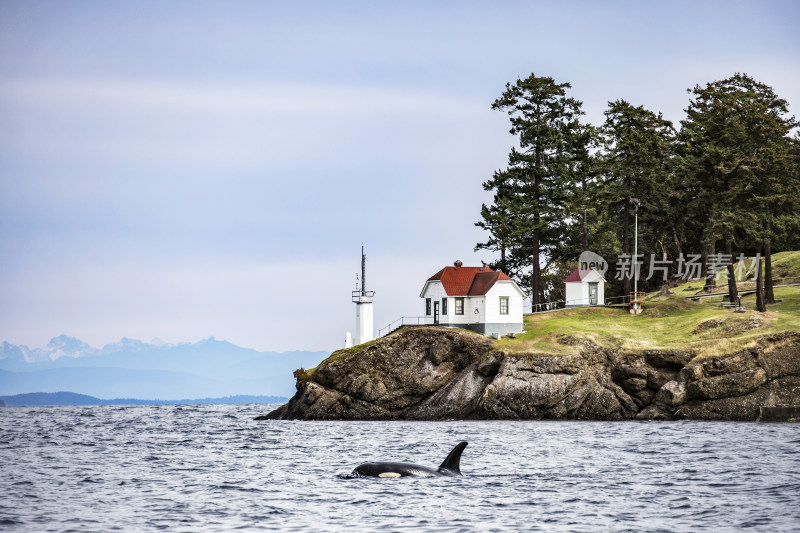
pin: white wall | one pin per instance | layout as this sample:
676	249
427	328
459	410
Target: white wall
435	291
492	306
577	293
472	304
469	316
593	277
364	323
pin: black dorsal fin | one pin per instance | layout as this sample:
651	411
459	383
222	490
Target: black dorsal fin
453	461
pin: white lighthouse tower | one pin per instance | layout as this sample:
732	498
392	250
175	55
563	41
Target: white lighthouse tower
363	300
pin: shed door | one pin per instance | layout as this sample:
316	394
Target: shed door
436	312
593	293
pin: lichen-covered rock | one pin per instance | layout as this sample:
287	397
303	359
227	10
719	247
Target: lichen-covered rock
455	400
667	359
431	373
672	394
527	393
783	361
726	385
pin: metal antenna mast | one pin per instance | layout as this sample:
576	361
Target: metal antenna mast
363	271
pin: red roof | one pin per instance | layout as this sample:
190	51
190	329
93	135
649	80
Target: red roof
468	281
578	275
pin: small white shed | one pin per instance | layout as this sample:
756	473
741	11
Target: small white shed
585	287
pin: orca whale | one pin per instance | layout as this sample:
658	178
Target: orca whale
450	467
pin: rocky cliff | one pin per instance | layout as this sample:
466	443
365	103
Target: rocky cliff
430	373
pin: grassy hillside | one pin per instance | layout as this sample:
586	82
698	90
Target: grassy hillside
786	267
671	323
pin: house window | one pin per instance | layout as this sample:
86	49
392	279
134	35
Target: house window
459	306
504	305
427	307
444	306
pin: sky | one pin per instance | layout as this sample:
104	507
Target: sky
178	170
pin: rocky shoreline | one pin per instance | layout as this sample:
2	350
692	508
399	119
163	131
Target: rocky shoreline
432	373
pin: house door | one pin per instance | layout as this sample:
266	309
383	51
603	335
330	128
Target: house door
435	312
593	293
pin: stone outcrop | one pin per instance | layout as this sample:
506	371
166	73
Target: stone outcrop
429	373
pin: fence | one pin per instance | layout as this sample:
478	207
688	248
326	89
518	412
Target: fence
743	291
557	305
405	321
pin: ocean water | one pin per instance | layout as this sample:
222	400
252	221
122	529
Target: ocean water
213	468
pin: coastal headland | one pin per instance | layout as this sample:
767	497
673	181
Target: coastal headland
680	359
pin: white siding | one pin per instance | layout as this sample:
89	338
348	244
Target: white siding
503	288
474	310
435	291
577	293
469	316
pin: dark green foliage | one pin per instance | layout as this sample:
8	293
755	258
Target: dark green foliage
532	196
735	143
727	182
302	376
636	157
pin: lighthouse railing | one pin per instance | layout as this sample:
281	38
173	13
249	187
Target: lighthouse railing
405	321
363	297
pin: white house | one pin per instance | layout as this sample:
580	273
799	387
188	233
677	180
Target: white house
476	298
585	287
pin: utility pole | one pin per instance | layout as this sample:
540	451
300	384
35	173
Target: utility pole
636	306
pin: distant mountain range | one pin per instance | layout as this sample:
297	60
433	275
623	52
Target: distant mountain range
135	369
71	398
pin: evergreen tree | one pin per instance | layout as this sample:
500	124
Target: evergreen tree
787	227
735	141
529	215
584	226
729	182
498	220
637	150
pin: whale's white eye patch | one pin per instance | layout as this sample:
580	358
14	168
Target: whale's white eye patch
388	474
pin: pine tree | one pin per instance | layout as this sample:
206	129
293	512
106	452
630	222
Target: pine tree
498	220
637	150
735	142
532	195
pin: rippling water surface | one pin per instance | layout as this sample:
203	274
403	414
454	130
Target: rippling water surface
213	468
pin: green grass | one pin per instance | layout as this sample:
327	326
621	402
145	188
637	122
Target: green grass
787	310
672	323
786	265
339	355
